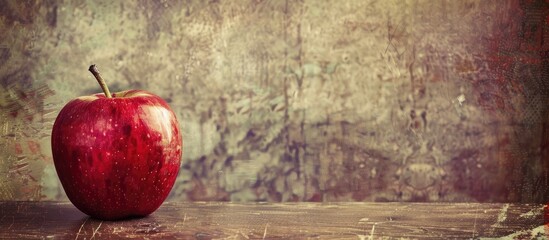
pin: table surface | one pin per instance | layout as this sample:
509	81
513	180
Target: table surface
223	220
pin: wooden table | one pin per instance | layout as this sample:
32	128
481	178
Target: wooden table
200	220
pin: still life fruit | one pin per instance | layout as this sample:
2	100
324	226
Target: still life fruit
117	156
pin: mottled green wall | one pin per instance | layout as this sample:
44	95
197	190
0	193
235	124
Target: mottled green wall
295	100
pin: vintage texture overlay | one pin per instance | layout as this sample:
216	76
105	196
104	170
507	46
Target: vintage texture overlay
296	100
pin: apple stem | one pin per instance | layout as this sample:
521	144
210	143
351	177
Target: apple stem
93	70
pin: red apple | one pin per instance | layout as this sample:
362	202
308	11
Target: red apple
116	156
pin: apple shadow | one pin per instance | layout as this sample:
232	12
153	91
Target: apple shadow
88	227
63	220
39	219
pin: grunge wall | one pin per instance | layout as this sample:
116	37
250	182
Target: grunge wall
296	100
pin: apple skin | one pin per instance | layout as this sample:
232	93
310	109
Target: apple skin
117	157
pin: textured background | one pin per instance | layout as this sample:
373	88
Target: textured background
296	100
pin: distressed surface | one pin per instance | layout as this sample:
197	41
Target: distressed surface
287	221
296	100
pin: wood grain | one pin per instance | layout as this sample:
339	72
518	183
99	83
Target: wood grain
201	220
